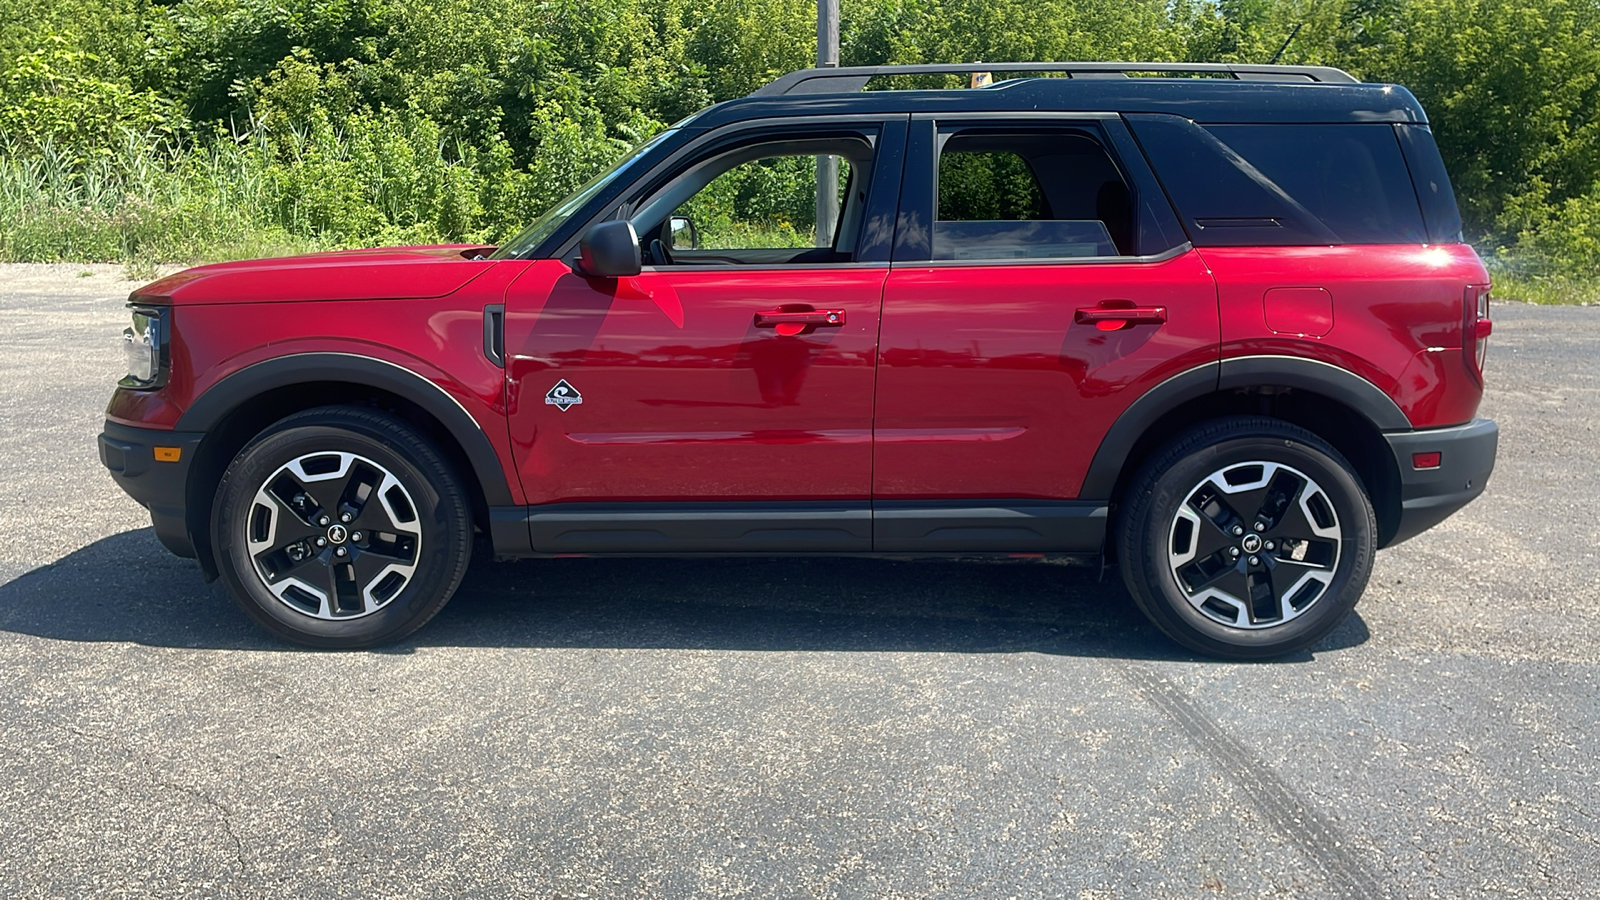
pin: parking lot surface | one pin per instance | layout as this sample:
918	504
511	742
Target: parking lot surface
829	728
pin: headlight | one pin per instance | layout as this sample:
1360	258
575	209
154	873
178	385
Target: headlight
144	343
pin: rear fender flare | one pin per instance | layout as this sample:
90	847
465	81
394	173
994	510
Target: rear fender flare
1330	381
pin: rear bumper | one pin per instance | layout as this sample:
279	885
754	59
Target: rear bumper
1429	496
159	486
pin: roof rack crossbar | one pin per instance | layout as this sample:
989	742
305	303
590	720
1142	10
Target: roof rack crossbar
848	79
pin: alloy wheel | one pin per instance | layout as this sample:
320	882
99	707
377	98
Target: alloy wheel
334	535
1254	545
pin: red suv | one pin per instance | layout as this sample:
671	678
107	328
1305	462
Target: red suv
1222	330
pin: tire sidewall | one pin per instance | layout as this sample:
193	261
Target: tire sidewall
444	543
1178	481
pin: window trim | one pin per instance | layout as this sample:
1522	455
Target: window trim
762	267
1012	262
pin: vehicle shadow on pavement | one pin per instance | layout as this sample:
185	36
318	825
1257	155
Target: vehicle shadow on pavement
127	588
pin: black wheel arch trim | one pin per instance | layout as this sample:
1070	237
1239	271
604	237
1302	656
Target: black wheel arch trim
1106	468
1337	384
237	389
1319	377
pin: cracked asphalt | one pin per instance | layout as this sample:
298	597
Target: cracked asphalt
808	728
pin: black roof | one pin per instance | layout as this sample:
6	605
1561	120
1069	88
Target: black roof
1259	94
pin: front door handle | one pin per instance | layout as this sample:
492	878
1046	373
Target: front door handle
789	321
1112	318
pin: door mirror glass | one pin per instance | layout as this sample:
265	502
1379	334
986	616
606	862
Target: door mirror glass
609	250
682	234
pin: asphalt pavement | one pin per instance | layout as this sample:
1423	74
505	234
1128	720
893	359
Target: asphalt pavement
792	728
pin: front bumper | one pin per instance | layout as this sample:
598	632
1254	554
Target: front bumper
1429	496
159	486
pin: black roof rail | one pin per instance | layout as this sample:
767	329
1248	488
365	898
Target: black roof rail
848	79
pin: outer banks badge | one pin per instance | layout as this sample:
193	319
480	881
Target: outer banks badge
563	396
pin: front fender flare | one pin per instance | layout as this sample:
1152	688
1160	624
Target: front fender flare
232	392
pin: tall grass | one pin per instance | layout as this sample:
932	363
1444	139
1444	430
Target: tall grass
138	200
382	181
1534	279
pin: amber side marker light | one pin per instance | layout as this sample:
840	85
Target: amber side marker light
168	454
1425	460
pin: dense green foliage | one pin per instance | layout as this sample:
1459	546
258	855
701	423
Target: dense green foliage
184	129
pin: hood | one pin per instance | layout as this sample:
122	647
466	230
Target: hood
394	273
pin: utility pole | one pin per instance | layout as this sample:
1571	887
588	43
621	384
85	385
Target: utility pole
827	166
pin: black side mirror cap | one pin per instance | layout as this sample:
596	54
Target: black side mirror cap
609	250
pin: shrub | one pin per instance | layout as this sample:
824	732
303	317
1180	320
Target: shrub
185	129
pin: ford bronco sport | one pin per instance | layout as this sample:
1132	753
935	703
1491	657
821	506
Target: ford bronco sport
1215	324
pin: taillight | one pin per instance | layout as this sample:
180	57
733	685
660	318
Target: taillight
1476	326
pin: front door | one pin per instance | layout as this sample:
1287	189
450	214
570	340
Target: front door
722	399
1051	289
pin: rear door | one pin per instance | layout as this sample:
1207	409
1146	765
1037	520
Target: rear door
1041	283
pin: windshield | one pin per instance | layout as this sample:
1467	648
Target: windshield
546	225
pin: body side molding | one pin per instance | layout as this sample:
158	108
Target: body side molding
796	526
301	368
988	526
924	527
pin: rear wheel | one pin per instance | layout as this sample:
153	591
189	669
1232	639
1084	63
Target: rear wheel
1246	538
340	528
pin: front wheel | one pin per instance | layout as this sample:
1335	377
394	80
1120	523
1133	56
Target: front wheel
1246	538
341	528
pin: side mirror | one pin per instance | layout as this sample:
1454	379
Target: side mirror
682	235
609	250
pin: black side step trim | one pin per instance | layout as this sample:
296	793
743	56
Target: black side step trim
938	527
988	526
792	527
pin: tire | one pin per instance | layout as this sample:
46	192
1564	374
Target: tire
1198	566
341	528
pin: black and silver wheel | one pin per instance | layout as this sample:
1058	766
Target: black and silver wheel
1246	538
340	527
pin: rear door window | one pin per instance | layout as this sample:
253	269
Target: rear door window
1050	194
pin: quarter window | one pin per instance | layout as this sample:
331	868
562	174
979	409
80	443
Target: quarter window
1284	185
1352	177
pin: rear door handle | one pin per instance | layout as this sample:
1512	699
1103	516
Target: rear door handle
792	322
1113	318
